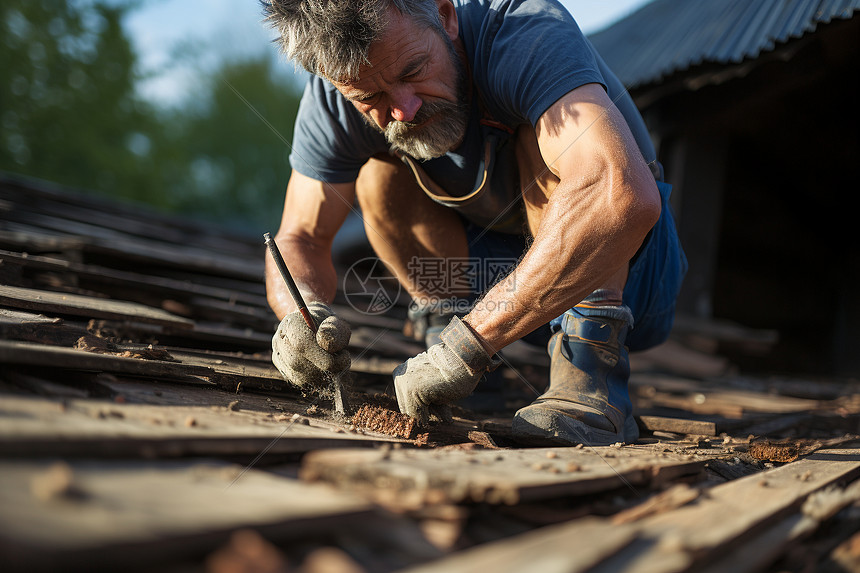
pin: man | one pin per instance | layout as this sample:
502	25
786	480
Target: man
460	127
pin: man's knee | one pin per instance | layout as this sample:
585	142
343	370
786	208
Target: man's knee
389	195
378	181
400	219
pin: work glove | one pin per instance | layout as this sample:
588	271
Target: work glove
445	373
305	359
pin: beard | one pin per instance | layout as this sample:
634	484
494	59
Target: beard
447	121
444	132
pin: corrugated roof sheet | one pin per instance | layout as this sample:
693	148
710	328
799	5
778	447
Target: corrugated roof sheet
668	36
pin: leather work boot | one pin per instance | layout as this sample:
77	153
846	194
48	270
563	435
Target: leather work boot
587	401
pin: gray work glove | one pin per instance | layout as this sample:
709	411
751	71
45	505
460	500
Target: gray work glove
445	373
304	359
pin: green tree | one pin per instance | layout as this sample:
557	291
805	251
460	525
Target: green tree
70	113
68	107
225	157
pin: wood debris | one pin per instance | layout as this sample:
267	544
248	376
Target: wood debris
142	425
384	421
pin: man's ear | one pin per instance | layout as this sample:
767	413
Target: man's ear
448	16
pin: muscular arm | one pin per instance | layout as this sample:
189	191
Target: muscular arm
313	213
592	225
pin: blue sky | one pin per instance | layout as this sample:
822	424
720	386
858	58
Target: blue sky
220	29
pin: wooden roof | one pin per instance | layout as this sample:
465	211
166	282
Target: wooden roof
142	426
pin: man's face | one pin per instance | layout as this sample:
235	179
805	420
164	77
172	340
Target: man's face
414	91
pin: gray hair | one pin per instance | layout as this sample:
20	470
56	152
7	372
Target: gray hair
331	38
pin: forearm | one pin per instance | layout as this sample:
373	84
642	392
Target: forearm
311	267
587	234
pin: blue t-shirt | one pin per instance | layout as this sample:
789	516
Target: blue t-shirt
524	55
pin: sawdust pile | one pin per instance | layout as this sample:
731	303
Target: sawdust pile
782	452
385	421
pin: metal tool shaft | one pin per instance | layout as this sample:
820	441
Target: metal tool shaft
291	284
340	401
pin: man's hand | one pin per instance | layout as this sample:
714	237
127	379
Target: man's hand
304	359
445	373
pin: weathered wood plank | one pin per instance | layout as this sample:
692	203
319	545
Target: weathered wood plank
70	304
755	499
716	524
498	476
539	550
713	398
32	427
232	365
216	369
12	352
138	250
205	332
10	317
739	516
33	328
227	370
95	516
29	327
130	217
119	278
678	425
763	548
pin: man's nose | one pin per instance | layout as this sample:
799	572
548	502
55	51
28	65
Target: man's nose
404	104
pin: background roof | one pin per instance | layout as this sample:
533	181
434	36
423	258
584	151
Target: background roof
669	36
